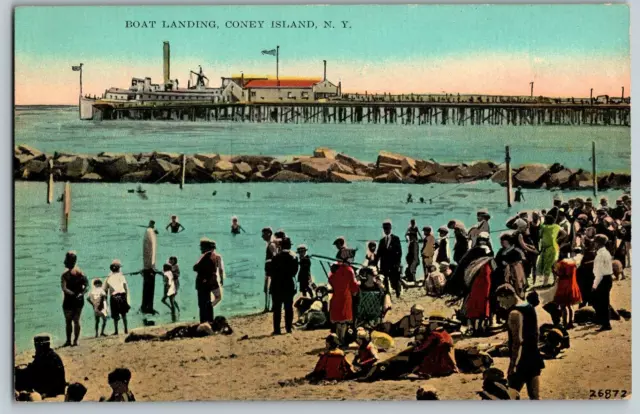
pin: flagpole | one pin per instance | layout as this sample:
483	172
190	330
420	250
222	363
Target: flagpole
278	65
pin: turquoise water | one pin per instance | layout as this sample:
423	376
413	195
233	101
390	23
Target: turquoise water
60	130
107	222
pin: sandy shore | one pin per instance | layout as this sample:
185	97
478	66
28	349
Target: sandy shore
227	368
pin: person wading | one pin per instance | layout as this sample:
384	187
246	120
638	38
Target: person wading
525	364
74	285
389	257
283	286
209	279
149	271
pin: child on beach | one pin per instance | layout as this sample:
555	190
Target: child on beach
117	288
98	299
170	291
175	269
119	382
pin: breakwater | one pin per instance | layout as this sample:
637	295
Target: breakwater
324	165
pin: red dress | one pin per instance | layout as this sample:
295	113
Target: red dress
344	285
333	365
440	358
568	292
477	305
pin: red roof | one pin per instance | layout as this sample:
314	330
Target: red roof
284	83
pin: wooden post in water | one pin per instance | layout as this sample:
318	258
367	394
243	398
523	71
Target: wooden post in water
507	160
66	207
50	183
182	170
593	168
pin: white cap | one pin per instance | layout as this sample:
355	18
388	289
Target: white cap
302	247
483	235
116	262
387	221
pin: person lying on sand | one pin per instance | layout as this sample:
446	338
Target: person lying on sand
405	326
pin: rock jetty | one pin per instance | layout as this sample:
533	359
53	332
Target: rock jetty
325	165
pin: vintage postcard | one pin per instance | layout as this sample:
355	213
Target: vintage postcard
322	203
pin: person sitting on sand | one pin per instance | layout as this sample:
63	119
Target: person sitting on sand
367	354
169	291
435	282
405	326
175	226
236	228
98	299
118	290
332	364
436	353
313	313
119	382
45	375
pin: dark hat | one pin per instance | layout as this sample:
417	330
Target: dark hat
267	230
41	339
339	240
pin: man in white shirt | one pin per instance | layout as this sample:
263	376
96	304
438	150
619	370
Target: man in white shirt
603	271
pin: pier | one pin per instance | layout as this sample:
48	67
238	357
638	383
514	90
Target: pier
358	112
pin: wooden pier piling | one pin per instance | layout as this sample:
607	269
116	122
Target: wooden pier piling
594	171
50	186
507	160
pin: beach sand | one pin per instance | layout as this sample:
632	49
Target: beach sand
227	368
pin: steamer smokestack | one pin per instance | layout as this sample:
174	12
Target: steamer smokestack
325	70
166	67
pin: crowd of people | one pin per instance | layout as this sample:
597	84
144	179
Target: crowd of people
574	246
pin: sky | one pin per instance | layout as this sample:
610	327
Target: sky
564	49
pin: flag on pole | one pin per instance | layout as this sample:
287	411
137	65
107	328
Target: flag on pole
271	52
76	68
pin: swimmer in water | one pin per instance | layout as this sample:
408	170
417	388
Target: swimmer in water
214	193
409	198
235	226
248	194
175	226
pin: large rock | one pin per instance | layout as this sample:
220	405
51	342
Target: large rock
172	157
450	176
223	166
581	179
238	178
408	164
29	150
352	162
290	176
500	176
242	168
323	152
112	155
428	171
385	157
295	166
220	176
317	167
532	175
614	180
194	170
394	177
342	168
91	178
479	170
76	168
337	177
114	169
252	160
384	168
137	177
162	168
34	169
561	178
258	177
209	160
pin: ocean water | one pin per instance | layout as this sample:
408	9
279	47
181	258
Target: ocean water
59	129
107	222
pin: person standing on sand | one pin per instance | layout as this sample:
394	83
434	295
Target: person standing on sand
389	257
304	275
428	248
283	286
603	271
209	279
74	285
525	363
462	239
568	291
98	300
118	290
272	250
482	226
412	236
344	284
442	245
550	236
